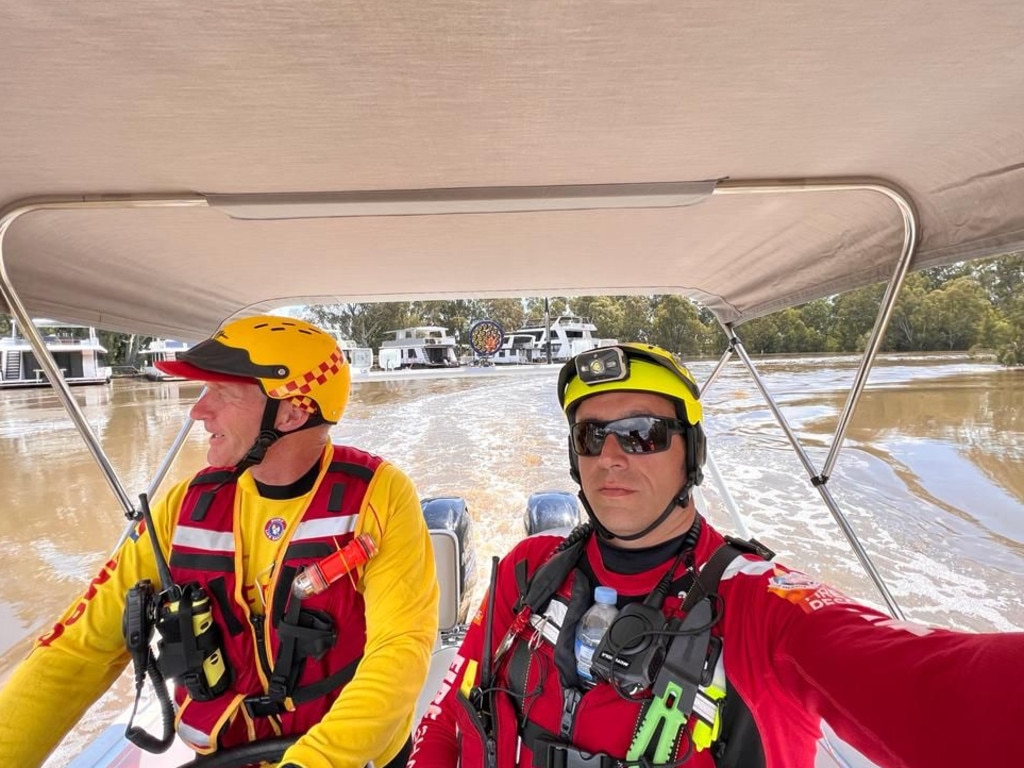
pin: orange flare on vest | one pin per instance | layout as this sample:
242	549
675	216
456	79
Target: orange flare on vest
315	578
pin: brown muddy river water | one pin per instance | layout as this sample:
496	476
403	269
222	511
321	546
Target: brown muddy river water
931	477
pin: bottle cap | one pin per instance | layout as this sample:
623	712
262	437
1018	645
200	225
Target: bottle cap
606	595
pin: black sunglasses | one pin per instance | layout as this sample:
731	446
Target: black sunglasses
636	434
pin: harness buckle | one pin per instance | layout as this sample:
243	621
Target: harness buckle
560	755
262	706
277	688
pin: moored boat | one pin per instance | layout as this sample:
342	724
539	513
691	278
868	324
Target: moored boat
423	346
159	351
567	336
76	351
360	358
517	349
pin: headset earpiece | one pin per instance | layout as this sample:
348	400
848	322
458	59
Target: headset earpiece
696	454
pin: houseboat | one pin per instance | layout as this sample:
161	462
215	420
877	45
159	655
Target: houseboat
517	349
570	335
425	346
75	348
360	359
161	351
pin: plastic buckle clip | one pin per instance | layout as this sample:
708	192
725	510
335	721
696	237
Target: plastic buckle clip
559	755
262	706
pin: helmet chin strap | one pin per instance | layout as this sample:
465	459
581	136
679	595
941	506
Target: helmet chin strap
680	499
267	437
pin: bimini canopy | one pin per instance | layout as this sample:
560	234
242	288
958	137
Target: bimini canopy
451	148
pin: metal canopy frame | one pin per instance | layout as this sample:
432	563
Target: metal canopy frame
497	200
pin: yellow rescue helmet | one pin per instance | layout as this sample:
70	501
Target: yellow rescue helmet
629	368
289	358
637	368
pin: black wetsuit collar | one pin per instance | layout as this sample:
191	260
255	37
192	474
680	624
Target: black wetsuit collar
633	561
300	487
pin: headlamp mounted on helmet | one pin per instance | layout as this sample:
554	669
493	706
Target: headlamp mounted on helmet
634	368
609	369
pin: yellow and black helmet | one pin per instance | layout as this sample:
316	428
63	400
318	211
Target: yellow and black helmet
289	358
637	368
630	368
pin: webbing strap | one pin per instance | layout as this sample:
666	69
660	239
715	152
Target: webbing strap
285	661
565	645
265	706
202	562
357	470
218	588
212	478
709	576
302	634
333	681
202	506
337	498
551	575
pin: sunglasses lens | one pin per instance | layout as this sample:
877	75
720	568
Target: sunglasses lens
639	434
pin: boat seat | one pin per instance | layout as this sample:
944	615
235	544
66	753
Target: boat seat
447	560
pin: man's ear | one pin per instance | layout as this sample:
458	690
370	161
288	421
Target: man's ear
290	417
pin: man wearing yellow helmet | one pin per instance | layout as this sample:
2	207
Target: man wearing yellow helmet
716	657
662	400
252	654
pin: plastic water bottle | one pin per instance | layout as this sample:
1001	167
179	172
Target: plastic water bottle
591	629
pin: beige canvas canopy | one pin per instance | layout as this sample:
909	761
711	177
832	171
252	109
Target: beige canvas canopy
456	148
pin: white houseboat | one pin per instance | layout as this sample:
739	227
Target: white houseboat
517	349
162	351
75	348
425	346
359	358
570	335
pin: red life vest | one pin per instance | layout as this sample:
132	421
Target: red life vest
288	667
540	732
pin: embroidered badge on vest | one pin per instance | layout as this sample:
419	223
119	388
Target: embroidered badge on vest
274	528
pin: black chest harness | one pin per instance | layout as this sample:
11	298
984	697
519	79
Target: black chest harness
670	660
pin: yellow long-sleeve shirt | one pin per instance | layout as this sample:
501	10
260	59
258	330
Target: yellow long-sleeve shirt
71	666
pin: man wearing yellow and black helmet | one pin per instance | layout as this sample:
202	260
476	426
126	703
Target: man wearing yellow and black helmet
252	655
708	655
663	401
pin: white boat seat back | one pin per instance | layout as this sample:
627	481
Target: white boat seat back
447	560
440	660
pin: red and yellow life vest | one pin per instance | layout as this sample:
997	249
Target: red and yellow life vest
288	667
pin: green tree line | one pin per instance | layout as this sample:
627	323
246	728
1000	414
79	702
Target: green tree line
967	306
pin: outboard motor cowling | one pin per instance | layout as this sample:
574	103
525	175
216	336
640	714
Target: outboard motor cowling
450	513
551	510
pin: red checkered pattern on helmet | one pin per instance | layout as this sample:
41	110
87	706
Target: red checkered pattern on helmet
302	384
305	403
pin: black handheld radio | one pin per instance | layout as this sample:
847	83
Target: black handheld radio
633	649
189	644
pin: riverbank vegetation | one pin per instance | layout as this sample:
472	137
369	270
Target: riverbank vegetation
970	306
